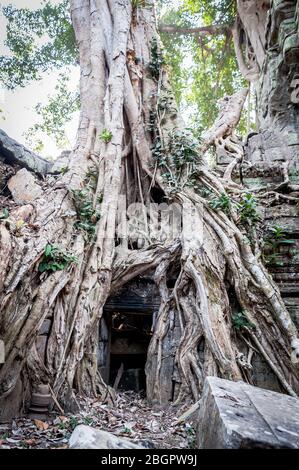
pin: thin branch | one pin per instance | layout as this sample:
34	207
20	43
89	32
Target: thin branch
199	31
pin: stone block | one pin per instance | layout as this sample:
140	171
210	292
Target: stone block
15	153
23	187
86	437
236	415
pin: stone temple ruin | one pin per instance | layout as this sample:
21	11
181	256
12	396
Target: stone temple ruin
272	162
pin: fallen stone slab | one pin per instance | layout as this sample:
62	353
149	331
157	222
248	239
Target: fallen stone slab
86	437
235	415
23	187
15	153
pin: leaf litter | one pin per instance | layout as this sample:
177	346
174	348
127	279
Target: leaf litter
131	417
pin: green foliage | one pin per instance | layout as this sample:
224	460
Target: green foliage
221	203
191	436
156	61
64	170
241	322
55	259
38	40
5	214
73	422
152	123
278	235
106	136
175	50
212	11
182	148
275	237
127	430
137	3
158	153
203	68
55	114
88	421
247	209
88	216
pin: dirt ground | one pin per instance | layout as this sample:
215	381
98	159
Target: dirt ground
130	417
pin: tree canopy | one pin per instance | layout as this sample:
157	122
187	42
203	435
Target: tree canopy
38	41
199	52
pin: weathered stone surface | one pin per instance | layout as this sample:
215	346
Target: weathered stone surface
23	187
62	163
86	437
15	153
278	100
236	415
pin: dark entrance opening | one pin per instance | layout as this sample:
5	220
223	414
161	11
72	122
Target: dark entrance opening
125	334
130	337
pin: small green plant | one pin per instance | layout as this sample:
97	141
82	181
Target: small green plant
159	153
221	203
88	216
62	426
73	422
240	321
55	259
182	149
5	214
87	420
278	235
247	209
64	170
127	430
275	237
191	436
106	136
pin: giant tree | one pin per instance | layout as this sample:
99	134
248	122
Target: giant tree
70	252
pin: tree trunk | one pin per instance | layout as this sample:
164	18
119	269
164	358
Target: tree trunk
131	145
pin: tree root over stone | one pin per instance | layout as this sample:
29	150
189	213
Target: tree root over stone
210	255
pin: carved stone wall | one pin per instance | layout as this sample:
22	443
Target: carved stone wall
278	103
268	151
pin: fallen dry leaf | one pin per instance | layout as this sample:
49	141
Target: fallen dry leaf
41	425
63	419
30	442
